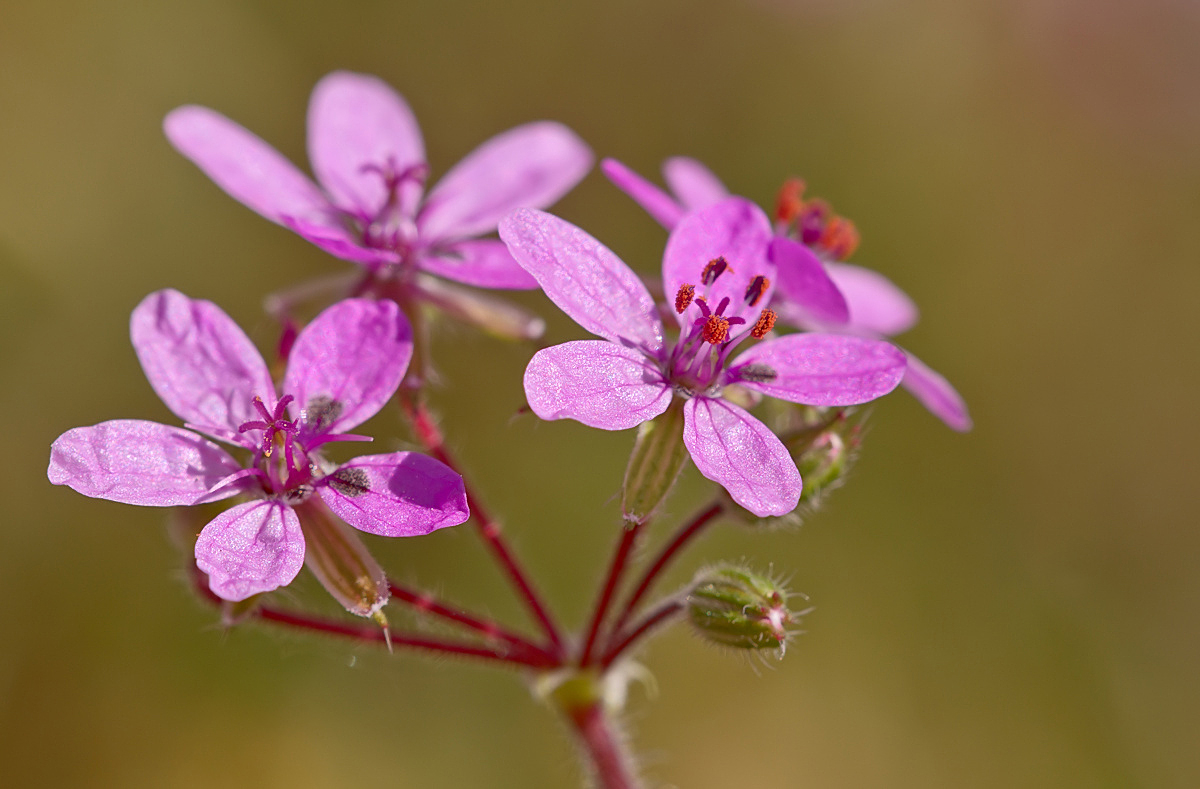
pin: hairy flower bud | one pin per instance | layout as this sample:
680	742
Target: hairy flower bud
740	608
340	561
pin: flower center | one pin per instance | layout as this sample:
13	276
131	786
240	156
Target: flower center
391	227
276	428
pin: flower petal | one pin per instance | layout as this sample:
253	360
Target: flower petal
821	369
600	384
360	131
251	548
804	281
200	362
137	462
735	229
246	167
340	243
694	185
484	263
935	393
585	279
531	166
347	363
738	452
660	205
876	304
403	494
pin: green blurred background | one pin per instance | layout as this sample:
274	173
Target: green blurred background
1013	607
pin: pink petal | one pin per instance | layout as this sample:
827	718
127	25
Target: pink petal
694	184
253	547
804	281
200	362
738	452
340	243
876	304
403	494
735	229
356	123
347	363
531	166
936	394
660	205
585	279
821	369
248	169
600	384
138	462
483	263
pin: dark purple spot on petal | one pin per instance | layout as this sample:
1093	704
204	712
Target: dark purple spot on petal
350	482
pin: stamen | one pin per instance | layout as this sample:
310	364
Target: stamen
684	297
789	202
811	223
716	330
840	238
713	269
766	322
758	286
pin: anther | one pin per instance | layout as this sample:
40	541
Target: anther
713	269
716	330
683	298
758	286
840	238
789	202
765	322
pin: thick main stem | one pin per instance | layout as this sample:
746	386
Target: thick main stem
609	761
429	435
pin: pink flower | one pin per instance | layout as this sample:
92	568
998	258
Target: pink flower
871	305
717	268
343	367
367	153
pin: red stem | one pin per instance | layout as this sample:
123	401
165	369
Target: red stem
423	601
608	758
429	435
655	618
672	549
615	571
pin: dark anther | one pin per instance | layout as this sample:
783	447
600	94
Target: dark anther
713	269
758	286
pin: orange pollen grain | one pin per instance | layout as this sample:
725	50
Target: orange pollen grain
758	286
683	298
789	201
765	322
716	330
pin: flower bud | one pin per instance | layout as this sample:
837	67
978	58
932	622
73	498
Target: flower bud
740	608
658	455
337	557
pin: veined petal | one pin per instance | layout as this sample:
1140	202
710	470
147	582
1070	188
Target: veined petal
876	304
484	263
347	363
585	279
199	361
660	205
340	242
735	229
359	132
738	452
821	369
935	393
531	166
403	494
600	384
251	548
137	462
246	167
694	185
804	281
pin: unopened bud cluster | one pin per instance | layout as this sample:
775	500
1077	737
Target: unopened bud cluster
740	608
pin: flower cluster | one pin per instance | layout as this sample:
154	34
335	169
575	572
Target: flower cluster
750	308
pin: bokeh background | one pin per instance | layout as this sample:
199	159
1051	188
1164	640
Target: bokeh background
1017	606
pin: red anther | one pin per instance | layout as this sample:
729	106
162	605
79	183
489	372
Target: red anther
789	202
840	238
713	269
765	322
758	286
716	330
683	298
